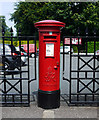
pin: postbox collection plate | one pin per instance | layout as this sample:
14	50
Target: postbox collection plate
49	49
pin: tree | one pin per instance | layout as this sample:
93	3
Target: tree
4	26
27	14
73	14
89	17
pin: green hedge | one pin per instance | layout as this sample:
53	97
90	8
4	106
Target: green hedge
91	46
16	43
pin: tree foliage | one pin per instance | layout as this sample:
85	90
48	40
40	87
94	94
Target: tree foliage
4	26
89	17
75	15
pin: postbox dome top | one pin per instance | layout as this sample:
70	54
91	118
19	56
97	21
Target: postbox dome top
49	23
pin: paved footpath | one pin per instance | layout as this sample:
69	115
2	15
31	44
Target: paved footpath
63	112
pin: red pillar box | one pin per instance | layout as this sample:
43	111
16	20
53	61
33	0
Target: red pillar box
49	63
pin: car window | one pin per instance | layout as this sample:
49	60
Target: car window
12	48
23	50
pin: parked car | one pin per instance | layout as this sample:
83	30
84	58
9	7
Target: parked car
12	55
97	53
31	49
22	51
23	55
18	53
10	61
66	49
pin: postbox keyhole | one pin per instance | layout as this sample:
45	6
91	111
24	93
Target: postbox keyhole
57	65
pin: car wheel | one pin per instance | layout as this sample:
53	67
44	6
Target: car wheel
32	55
6	65
69	52
9	66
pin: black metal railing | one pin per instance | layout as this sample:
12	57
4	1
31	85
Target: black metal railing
83	79
15	69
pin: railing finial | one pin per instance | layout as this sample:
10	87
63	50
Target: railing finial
78	31
3	30
19	31
94	31
86	31
11	30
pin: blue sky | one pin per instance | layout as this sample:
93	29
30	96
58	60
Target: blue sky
6	8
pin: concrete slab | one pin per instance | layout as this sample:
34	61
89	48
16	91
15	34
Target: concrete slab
63	112
22	112
75	112
48	114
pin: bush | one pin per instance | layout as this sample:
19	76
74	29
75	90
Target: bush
91	46
16	42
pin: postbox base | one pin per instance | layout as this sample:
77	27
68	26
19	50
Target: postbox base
49	99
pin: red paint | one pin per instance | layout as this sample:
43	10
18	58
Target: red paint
49	64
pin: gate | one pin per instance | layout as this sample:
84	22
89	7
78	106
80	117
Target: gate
82	77
83	65
15	75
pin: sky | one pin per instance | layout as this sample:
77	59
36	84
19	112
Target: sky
6	8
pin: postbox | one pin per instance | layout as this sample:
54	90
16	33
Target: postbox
49	63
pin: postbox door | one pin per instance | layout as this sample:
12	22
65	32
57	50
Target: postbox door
49	79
